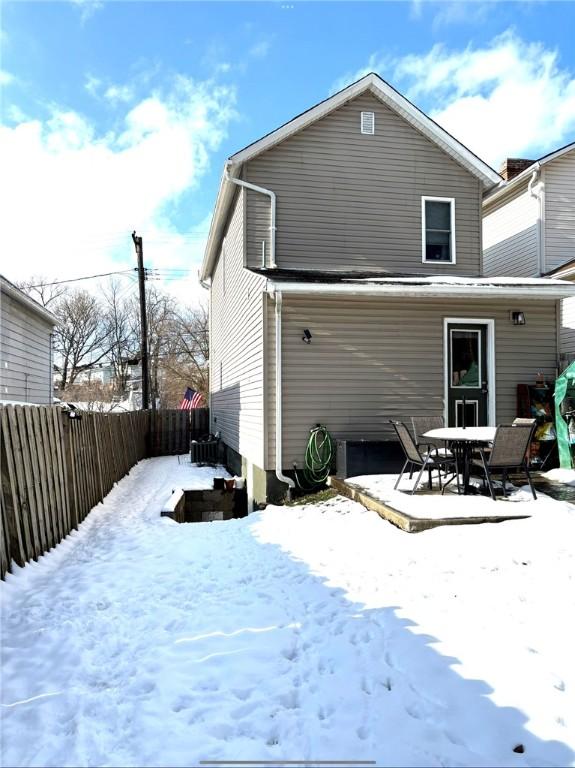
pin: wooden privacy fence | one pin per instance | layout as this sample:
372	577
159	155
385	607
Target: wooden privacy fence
171	430
54	469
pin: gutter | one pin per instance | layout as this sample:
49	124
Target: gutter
279	473
272	196
512	291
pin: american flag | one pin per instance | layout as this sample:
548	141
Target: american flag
191	399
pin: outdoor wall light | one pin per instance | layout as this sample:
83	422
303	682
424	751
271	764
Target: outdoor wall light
306	336
518	318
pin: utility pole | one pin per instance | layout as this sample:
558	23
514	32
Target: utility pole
139	245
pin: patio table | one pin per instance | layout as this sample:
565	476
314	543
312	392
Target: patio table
462	441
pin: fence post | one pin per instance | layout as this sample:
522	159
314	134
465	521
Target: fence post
69	469
95	422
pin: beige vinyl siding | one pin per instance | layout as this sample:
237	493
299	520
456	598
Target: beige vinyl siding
346	200
510	235
236	346
25	354
567	345
560	210
371	360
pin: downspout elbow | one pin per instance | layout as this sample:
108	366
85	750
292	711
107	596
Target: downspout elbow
273	203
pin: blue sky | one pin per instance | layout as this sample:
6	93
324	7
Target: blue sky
119	115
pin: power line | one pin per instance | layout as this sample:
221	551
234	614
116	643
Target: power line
78	279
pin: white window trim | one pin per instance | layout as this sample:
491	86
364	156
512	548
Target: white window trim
490	362
450	200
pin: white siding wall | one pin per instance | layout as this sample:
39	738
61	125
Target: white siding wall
236	346
510	236
25	354
560	210
568	329
371	360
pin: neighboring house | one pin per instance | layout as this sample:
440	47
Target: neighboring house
26	329
358	224
567	322
100	373
529	227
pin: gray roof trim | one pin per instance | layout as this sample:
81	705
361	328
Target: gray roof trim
18	295
372	83
508	186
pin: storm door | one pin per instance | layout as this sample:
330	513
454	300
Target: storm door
467	384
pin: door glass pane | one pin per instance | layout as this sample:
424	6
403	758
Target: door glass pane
470	413
465	358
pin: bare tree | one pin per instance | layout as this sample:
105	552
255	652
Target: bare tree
89	395
82	339
44	290
123	337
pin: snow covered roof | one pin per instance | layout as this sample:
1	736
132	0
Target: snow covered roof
383	91
434	286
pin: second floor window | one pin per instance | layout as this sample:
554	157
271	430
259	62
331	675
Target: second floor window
438	229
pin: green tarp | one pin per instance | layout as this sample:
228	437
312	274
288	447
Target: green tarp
563	384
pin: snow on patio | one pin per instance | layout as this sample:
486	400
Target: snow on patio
434	505
317	632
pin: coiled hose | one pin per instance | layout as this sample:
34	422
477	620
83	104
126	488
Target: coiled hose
319	455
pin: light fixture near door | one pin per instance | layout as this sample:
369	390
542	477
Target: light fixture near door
306	336
517	317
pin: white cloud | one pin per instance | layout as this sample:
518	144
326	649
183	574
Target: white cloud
87	8
509	98
114	93
471	12
6	78
71	195
260	50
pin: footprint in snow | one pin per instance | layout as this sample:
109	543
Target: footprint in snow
290	654
362	733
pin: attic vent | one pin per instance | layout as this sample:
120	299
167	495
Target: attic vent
368	122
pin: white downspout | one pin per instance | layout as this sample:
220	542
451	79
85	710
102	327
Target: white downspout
279	474
272	197
537	196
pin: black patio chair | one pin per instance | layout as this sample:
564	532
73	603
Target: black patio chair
429	460
422	424
509	451
518	422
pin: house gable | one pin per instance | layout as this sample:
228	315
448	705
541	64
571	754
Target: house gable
348	200
371	84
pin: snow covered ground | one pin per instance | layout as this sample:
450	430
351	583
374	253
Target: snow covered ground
317	632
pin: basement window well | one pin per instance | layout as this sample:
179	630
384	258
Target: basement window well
207	505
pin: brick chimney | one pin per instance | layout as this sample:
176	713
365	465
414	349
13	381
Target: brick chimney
513	166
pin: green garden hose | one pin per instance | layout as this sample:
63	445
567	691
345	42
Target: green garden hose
319	455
